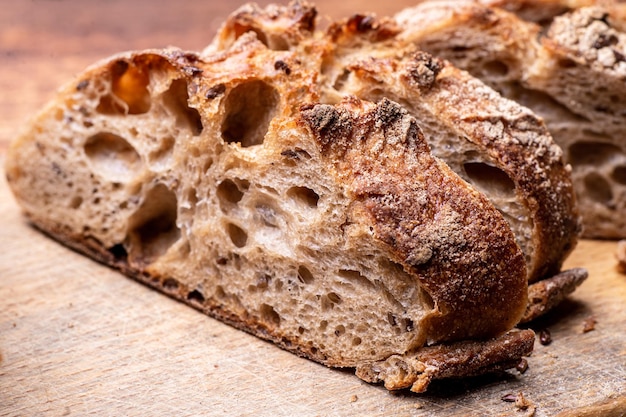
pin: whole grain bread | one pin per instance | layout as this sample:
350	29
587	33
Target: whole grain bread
571	73
267	183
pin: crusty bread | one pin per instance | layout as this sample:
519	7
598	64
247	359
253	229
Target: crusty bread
267	183
571	74
503	150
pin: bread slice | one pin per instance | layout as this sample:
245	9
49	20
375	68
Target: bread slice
251	183
571	74
499	147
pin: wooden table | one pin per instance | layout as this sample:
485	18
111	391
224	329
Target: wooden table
77	338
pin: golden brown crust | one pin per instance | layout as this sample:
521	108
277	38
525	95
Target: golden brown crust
428	216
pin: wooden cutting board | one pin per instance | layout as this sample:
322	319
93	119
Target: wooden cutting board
77	338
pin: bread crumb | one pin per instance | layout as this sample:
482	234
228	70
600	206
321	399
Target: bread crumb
521	403
353	399
589	324
545	338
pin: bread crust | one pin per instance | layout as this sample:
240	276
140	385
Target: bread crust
505	134
428	217
563	71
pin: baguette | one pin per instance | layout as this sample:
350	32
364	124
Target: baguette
309	210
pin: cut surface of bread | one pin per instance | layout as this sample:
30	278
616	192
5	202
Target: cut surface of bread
268	183
570	73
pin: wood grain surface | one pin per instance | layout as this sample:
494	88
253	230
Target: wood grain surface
77	338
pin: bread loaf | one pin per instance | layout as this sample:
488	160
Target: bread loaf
570	73
269	184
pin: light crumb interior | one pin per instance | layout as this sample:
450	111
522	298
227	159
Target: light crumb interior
237	224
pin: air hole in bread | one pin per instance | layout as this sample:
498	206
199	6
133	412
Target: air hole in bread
356	277
329	301
161	157
228	194
426	299
566	63
593	153
267	214
341	80
192	197
208	163
598	188
542	103
356	341
269	315
119	252
334	298
76	202
496	68
196	296
170	284
340	330
304	196
237	235
273	42
176	99
619	174
301	330
489	179
407	324
112	157
129	91
249	110
323	325
304	275
219	292
152	228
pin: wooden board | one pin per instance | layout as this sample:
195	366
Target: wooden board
78	338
